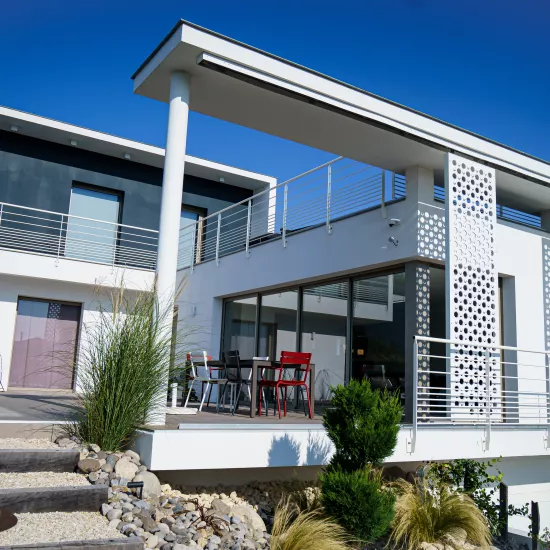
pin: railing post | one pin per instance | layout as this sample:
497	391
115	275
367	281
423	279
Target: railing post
285	208
60	239
218	239
248	222
1	211
414	395
329	195
195	230
488	397
383	198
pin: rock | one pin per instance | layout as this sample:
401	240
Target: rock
151	541
132	455
102	455
114	523
179	529
250	516
151	484
88	465
107	468
221	506
214	539
142	504
460	536
163	528
142	468
128	528
127	517
93	476
189	507
148	523
125	469
105	508
112	460
95	448
428	546
114	514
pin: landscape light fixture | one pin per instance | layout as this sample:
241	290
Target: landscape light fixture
14	128
74	143
127	156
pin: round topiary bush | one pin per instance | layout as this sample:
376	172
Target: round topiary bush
358	501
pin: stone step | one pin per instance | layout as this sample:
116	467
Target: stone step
31	460
133	543
87	498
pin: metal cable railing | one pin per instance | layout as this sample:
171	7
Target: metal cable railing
503	212
320	196
59	235
462	383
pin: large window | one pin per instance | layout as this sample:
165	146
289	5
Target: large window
190	240
378	331
324	323
278	324
240	326
92	230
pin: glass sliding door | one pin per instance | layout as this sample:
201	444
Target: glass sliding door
278	324
239	333
378	331
324	324
93	239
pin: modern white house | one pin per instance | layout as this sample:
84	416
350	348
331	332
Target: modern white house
417	258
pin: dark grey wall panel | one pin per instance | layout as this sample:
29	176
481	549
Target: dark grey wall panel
40	174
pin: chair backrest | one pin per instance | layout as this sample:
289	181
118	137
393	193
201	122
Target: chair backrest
299	360
202	369
232	363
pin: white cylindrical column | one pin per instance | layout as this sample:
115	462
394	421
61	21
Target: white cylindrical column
172	186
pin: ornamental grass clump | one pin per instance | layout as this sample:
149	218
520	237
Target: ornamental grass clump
123	369
306	530
435	514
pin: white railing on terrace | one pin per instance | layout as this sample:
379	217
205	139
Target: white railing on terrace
59	235
320	196
450	381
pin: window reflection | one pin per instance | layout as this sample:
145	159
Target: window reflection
240	326
278	324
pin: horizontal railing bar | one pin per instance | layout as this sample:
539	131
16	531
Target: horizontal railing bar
476	345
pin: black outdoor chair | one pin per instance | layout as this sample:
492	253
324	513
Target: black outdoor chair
236	380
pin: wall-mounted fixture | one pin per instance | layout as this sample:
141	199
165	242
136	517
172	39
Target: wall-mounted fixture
193	311
73	142
394	221
222	179
394	241
127	156
14	128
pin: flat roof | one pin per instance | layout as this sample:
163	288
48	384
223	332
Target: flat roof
238	83
106	144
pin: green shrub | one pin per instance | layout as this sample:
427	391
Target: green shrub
434	514
472	477
363	425
123	368
358	501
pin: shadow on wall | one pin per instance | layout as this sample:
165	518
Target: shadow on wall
287	451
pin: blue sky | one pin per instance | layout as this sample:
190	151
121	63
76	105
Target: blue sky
482	65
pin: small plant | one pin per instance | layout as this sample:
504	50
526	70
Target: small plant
306	530
363	425
472	478
358	501
219	525
435	514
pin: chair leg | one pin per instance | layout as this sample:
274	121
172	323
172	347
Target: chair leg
209	394
238	395
302	393
262	398
308	402
189	390
278	401
204	395
285	399
221	396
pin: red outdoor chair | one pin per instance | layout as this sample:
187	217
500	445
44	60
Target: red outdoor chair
301	363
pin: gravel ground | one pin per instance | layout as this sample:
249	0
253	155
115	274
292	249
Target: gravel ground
58	527
41	479
15	443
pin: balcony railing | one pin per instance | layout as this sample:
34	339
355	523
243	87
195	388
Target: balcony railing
59	235
503	212
458	383
318	197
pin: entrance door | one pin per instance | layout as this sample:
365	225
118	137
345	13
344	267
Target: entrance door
44	346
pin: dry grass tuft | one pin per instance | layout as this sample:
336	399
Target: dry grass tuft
306	530
432	514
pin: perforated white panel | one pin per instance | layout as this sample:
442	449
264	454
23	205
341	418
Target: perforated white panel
472	287
546	289
431	234
422	273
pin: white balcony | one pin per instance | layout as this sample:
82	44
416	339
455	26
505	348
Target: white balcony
52	245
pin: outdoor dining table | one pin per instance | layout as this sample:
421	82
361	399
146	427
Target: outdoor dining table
256	365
